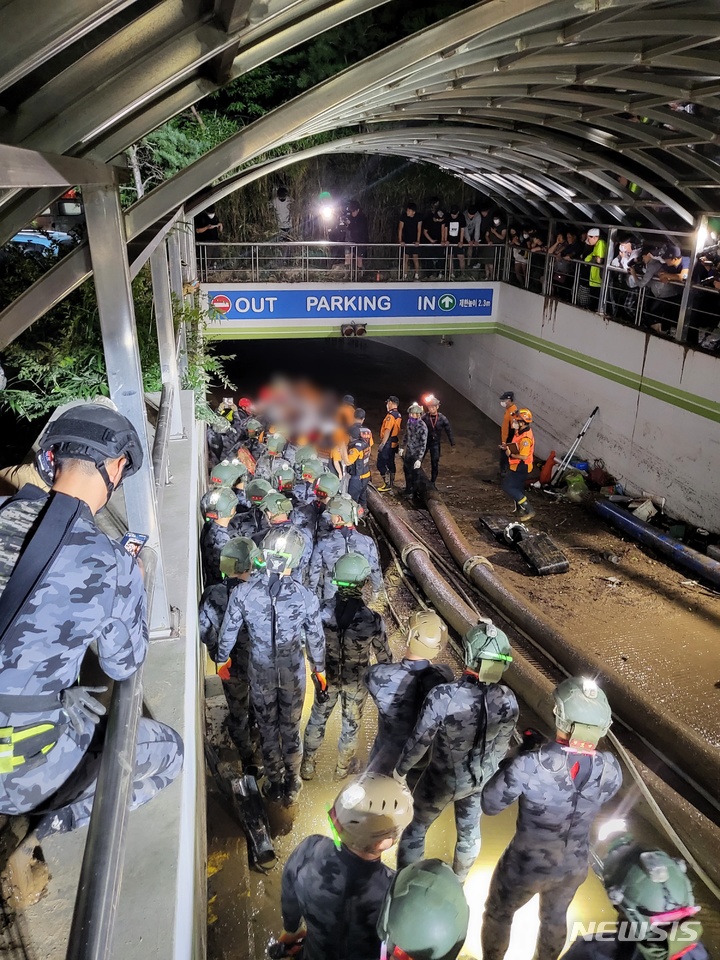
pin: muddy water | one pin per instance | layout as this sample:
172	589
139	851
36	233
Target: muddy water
244	905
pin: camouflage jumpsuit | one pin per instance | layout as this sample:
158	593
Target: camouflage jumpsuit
277	614
352	633
560	793
338	895
213	538
213	605
301	570
268	463
469	726
399	690
413	446
328	551
92	591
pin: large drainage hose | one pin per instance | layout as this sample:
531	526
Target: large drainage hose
692	560
681	745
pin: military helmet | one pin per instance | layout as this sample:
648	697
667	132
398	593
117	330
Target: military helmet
523	414
430	400
253	427
427	634
257	489
90	431
275	444
487	651
650	887
581	711
274	504
306	452
284	477
415	410
344	507
219	503
312	469
237	556
282	547
327	485
228	473
425	913
351	570
371	809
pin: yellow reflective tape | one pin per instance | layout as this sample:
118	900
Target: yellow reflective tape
32	732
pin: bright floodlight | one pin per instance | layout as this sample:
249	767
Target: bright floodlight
611	827
326	212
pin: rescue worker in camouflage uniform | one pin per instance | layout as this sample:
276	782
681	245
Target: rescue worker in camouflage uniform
252	520
436	422
281	617
652	894
412	447
275	445
87	589
303	489
237	564
424	914
234	474
332	892
344	538
399	689
326	488
277	509
467	725
560	788
254	444
353	633
218	506
305	509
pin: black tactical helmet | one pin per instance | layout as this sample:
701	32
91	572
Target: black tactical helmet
90	431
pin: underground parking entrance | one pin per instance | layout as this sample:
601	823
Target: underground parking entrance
616	603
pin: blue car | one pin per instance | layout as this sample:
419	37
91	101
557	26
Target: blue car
43	242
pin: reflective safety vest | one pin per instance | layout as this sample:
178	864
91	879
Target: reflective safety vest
392	423
526	448
359	457
506	431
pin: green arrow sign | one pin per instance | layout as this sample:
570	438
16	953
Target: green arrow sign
446	302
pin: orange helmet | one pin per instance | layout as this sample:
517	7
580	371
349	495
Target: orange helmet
523	414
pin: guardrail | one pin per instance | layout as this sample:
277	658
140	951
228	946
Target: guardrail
104	857
686	316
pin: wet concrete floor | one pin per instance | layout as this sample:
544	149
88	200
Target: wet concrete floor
244	905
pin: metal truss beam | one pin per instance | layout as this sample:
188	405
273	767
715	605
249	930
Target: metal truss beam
30	168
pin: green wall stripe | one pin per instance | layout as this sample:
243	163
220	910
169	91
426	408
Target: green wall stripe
691	402
292	332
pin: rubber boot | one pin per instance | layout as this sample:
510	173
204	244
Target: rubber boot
292	788
307	767
525	511
385	486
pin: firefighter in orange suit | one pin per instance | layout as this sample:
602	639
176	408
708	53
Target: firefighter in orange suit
519	452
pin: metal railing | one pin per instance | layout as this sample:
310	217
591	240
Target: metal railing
685	315
104	857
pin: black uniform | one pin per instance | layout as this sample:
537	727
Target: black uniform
435	425
359	471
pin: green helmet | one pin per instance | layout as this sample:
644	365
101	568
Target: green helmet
344	507
253	427
308	452
313	469
415	410
487	651
219	503
228	473
351	570
284	477
257	489
582	712
282	549
274	504
369	810
275	444
425	913
327	486
427	634
237	556
650	887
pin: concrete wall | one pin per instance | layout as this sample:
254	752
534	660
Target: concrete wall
657	428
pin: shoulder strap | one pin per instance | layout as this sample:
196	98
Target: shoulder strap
55	523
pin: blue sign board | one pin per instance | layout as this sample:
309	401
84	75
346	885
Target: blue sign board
350	303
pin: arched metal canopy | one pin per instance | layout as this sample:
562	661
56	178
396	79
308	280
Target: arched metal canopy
557	106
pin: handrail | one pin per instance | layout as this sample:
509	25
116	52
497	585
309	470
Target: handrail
98	890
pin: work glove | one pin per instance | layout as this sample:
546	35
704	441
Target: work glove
292	942
224	669
80	706
417	464
399	778
401	451
375	597
321	687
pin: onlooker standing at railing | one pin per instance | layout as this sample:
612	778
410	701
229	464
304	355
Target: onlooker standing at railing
496	237
658	308
622	289
357	232
409	229
208	230
453	236
591	278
